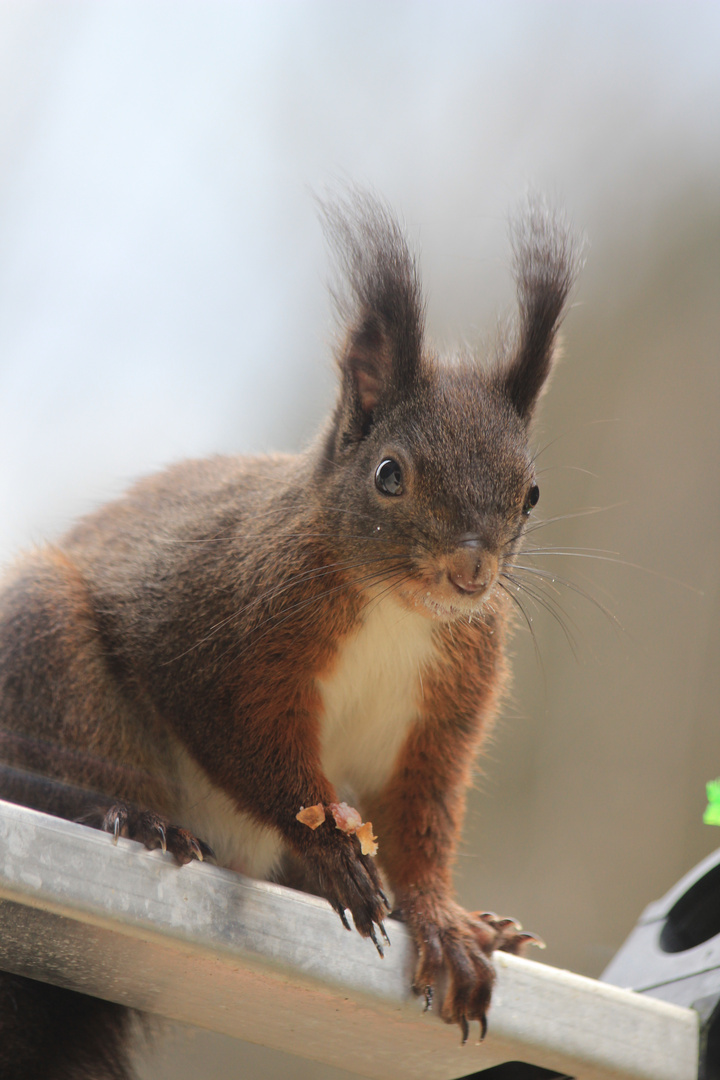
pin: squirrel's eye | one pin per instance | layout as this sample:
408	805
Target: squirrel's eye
531	499
388	477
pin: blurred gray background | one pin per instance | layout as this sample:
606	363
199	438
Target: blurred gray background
162	295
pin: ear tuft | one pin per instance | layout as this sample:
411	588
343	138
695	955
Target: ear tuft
546	260
378	299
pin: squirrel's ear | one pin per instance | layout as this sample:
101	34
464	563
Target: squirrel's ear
547	260
366	363
380	307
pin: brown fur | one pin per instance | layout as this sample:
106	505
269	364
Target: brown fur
207	608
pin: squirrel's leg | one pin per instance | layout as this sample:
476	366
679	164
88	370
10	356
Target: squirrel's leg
276	772
418	818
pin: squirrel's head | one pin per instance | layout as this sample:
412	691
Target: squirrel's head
426	467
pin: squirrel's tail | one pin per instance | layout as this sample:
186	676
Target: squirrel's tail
57	1034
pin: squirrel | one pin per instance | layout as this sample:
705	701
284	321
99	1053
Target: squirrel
238	638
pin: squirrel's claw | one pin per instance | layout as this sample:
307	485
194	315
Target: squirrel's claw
343	917
154	831
198	849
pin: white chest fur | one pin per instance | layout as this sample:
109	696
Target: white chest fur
239	842
372	697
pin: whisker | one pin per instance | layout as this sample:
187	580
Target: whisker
273	621
573	431
601	555
549	605
549	578
528	623
567	468
587	512
272	594
302	534
376	600
554	550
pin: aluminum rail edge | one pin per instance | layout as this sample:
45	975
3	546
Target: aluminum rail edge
205	946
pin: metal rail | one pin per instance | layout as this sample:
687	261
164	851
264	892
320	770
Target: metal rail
208	947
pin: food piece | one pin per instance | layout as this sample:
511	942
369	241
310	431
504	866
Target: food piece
347	819
312	816
368	842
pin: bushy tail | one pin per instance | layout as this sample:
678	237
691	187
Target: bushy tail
47	1033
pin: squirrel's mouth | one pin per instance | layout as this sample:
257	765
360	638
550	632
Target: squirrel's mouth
450	611
444	599
459	585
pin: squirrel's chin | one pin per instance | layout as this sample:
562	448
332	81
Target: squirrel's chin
444	607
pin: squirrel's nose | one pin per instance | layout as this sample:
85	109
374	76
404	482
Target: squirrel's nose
471	567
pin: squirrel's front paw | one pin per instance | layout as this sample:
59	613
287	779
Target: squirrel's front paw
454	948
154	831
350	881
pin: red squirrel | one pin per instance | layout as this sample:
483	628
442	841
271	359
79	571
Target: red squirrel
238	638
